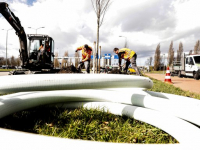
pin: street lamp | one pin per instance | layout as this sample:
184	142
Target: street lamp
6	46
36	28
125	45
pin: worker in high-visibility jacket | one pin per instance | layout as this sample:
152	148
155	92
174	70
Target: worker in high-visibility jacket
86	56
130	56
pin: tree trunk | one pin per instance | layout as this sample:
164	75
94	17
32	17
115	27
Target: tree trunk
97	43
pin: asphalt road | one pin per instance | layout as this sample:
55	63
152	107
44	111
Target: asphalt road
186	84
4	73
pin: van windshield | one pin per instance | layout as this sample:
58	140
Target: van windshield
197	59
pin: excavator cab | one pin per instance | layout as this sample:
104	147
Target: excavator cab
41	51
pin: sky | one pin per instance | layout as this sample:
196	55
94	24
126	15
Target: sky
73	23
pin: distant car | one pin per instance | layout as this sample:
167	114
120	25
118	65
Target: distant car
18	67
3	67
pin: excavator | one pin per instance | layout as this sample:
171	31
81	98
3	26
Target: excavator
37	55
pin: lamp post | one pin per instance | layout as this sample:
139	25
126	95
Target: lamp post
125	45
6	45
36	28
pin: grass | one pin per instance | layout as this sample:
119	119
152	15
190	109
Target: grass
6	70
92	124
85	124
159	86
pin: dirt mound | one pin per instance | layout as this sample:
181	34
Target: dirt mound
116	71
69	69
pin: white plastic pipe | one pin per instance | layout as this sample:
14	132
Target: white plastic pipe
72	82
47	82
15	140
20	101
29	100
177	98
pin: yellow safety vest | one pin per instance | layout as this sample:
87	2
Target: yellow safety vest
127	53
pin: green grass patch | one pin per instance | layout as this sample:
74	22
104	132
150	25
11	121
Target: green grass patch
2	70
85	124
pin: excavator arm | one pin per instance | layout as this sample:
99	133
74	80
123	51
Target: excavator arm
15	23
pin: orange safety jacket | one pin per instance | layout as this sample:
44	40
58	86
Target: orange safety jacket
42	48
86	54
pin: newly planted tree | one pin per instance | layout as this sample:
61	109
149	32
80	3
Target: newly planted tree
100	8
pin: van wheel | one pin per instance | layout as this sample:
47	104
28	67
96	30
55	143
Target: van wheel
179	74
196	75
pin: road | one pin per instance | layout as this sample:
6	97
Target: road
3	73
186	84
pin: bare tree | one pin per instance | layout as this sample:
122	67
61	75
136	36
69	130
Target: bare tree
196	47
148	62
157	58
56	62
18	61
170	54
64	63
100	8
13	61
2	60
190	52
179	51
8	61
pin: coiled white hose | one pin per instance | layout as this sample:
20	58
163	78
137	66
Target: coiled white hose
96	90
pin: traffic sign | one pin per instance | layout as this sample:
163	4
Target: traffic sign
107	56
116	57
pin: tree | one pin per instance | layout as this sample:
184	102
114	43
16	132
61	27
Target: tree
170	54
196	47
157	58
2	60
64	63
13	61
100	8
56	62
148	62
18	61
179	52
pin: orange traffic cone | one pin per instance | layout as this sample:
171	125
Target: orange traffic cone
168	77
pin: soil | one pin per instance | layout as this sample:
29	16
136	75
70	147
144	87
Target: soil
186	84
116	71
70	69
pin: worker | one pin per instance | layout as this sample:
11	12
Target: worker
44	51
130	56
86	56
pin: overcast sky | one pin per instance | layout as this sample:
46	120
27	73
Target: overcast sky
72	23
